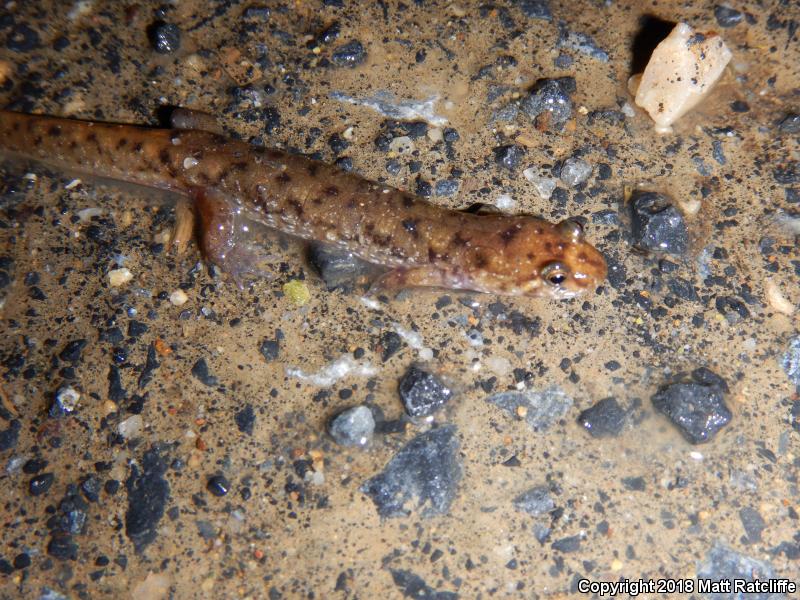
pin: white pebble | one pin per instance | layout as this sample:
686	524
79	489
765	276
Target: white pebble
189	162
178	297
776	299
131	427
119	277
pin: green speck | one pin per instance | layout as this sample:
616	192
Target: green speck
297	291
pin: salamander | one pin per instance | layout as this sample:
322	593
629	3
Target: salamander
231	184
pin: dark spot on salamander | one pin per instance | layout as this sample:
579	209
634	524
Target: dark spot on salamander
283	178
351	203
459	240
312	169
37	141
298	208
398	252
509	234
163	156
92	137
15	127
432	255
137	147
73	144
331	190
408	201
239	165
480	260
530	255
369	227
121	143
582	257
548	247
316	201
382	240
54	131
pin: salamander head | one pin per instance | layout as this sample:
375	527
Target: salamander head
532	257
564	265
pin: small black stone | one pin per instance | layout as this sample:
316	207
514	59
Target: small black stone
422	392
727	17
22	561
550	98
509	156
657	225
338	144
200	372
9	436
136	328
790	123
634	484
218	485
41	484
72	351
697	408
391	343
350	55
567	544
604	419
148	493
111	486
22	38
535	9
62	547
245	419
535	501
740	106
450	135
270	349
33	466
164	37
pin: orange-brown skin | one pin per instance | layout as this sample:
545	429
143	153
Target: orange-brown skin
233	183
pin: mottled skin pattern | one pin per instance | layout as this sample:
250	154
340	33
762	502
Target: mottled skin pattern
232	183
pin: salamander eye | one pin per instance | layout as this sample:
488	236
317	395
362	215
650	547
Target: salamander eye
571	229
555	273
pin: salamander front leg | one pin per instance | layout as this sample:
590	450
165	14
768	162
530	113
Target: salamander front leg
409	277
183	231
229	240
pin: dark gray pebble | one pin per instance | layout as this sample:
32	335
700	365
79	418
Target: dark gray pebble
604	419
200	372
535	9
657	225
390	342
41	484
790	361
634	484
62	546
164	37
270	349
567	544
723	563
148	493
422	392
10	435
350	54
790	123
352	427
446	187
427	469
218	485
696	407
535	501
727	17
509	156
245	419
550	98
753	524
22	38
413	586
72	351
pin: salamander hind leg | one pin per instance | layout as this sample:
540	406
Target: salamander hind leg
186	118
230	240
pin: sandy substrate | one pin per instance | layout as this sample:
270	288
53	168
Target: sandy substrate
168	437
